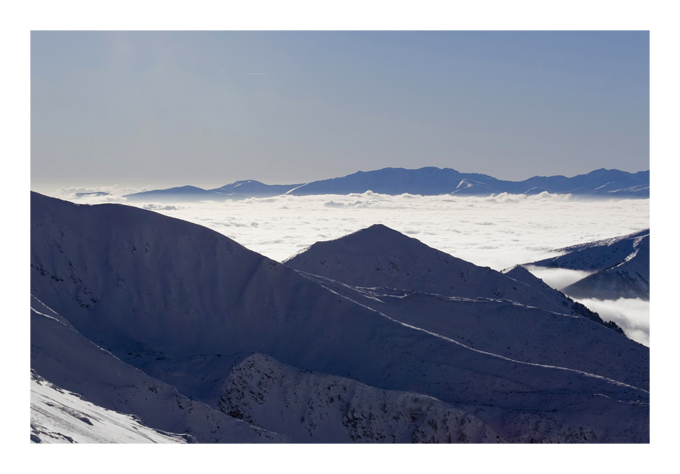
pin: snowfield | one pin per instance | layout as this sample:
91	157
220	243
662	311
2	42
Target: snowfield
60	416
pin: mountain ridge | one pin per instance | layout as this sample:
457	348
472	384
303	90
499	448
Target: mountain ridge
620	267
426	181
161	294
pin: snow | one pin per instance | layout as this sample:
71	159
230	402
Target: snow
64	357
381	257
181	306
431	181
329	409
60	416
619	267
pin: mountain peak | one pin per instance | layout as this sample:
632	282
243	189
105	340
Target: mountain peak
377	230
380	257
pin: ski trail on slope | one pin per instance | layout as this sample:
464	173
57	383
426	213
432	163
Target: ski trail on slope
567	369
47	316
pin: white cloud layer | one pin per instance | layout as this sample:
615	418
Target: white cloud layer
497	231
632	315
558	278
114	194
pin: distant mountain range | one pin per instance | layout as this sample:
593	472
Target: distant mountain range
374	337
428	181
619	266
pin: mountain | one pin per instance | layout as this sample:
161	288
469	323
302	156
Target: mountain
159	317
178	194
602	182
620	267
435	181
330	409
523	275
237	190
381	257
64	357
426	181
515	314
251	188
60	416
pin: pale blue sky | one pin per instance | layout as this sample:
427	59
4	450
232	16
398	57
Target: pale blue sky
209	108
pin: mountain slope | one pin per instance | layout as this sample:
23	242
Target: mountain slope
521	274
67	359
329	409
381	257
59	416
621	267
178	194
515	314
177	294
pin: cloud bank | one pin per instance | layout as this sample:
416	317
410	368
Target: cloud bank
557	278
632	315
497	231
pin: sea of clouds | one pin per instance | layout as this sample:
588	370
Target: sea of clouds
497	231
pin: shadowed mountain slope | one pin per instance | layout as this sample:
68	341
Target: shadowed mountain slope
382	257
64	357
621	267
514	314
177	294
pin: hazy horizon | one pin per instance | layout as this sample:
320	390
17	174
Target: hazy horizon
120	189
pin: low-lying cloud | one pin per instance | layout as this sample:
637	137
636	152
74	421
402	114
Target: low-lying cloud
632	315
558	278
160	207
496	231
98	194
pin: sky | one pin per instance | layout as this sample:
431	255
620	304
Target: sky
159	109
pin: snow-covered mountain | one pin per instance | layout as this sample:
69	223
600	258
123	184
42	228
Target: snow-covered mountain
426	181
620	267
330	409
136	301
252	188
523	275
381	257
514	314
432	181
64	357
